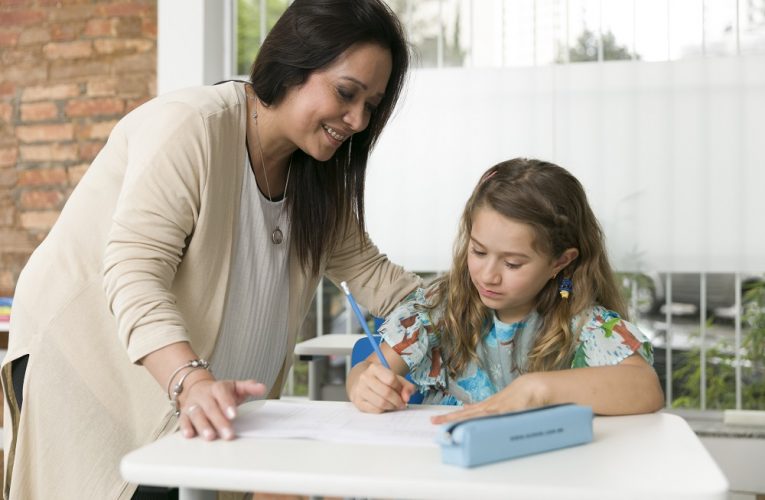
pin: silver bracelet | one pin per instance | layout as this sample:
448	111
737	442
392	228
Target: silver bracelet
190	364
177	389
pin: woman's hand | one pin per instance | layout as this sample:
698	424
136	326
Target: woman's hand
377	389
208	406
527	391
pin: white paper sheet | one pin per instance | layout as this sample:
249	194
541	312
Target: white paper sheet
339	422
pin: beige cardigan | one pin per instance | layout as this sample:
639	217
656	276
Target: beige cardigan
139	259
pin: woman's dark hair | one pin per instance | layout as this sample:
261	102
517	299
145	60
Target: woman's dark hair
325	197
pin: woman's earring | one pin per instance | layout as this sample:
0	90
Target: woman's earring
565	288
350	145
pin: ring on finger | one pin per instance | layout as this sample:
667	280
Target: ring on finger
191	409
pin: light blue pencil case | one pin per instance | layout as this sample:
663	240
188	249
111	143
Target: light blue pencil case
509	435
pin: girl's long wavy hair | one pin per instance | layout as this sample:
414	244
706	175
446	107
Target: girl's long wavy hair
324	198
552	201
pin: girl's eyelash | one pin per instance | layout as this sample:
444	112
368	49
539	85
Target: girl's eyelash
509	265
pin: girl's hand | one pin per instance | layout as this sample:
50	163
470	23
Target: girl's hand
527	391
209	406
378	389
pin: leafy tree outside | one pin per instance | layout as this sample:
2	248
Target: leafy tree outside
424	30
586	49
248	29
454	54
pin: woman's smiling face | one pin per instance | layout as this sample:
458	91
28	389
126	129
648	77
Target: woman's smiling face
336	101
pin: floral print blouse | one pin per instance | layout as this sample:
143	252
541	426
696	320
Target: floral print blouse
603	339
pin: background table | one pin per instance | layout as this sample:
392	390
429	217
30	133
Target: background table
339	344
652	456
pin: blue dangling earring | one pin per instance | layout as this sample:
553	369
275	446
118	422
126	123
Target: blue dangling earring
565	287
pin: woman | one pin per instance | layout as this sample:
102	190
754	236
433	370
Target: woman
199	234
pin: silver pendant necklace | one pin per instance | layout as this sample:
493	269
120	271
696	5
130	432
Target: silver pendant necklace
276	235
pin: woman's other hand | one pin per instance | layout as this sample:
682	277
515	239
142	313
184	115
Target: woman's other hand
210	405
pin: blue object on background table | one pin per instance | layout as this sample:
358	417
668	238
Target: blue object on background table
363	322
5	308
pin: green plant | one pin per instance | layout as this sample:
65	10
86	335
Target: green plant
754	317
720	378
721	363
638	292
300	374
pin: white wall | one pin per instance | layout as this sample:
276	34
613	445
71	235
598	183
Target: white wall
193	43
670	153
740	460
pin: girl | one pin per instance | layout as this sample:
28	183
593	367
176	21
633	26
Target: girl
529	314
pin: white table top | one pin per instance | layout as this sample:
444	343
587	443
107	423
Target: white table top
329	344
652	456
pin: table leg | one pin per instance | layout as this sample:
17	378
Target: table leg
314	380
195	494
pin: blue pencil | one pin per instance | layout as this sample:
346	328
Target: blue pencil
363	322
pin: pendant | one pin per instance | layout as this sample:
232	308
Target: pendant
277	236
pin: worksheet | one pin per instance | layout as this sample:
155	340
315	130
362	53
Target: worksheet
339	421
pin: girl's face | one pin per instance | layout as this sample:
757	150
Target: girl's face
504	267
336	101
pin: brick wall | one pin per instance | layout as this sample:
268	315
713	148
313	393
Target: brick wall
69	70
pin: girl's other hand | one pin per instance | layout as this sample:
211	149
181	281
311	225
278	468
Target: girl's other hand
210	405
527	391
378	389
